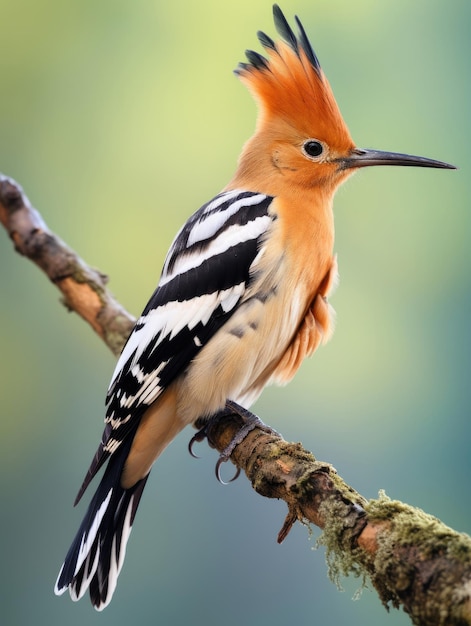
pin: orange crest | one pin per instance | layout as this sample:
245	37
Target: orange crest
289	85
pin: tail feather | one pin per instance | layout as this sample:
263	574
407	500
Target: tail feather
96	555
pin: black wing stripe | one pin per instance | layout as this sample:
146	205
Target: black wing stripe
217	273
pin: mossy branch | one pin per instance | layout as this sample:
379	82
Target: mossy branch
412	559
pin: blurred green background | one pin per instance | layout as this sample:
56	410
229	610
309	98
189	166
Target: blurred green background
120	119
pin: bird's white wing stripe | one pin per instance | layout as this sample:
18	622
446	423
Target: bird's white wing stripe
221	199
231	236
170	318
211	206
151	391
229	301
208	225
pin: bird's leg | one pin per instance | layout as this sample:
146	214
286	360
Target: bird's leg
251	421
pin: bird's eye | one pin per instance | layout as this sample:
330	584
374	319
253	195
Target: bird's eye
313	148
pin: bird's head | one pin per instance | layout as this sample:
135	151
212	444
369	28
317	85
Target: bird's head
300	130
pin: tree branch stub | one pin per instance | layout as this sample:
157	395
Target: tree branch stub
83	288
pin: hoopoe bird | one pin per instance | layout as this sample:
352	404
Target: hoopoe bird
242	298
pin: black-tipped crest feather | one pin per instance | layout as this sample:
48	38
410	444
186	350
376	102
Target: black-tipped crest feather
241	68
257	60
266	41
284	29
306	46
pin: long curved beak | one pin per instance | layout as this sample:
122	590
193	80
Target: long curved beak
360	157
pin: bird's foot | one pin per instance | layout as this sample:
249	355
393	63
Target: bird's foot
251	421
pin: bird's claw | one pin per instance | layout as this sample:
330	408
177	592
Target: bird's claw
223	459
197	438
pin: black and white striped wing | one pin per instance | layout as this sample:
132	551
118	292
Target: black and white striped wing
205	275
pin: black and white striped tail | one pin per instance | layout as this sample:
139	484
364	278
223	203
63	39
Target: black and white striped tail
96	555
